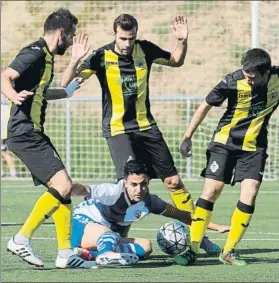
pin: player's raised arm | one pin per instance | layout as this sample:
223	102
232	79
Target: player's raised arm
79	50
180	30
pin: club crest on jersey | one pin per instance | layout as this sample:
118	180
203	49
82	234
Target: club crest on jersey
137	214
139	63
214	166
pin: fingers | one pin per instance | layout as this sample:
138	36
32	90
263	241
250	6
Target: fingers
180	20
22	96
80	38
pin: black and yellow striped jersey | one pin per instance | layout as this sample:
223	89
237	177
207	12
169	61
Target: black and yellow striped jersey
244	124
124	83
34	63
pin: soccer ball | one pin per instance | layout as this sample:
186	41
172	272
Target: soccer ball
173	238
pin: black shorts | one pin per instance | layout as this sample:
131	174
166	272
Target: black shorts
233	165
37	152
3	145
149	147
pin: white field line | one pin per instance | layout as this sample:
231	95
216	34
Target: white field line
260	239
153	192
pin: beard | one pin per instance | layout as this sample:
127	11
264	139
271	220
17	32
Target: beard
61	49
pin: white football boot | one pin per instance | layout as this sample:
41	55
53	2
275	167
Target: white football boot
108	259
25	252
73	261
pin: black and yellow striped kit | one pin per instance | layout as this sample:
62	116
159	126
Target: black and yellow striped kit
34	63
244	124
124	83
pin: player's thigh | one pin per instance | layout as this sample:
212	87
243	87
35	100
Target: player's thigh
250	165
92	233
220	164
155	153
39	155
121	149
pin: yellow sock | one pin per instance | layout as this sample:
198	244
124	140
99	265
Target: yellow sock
200	221
239	223
182	200
43	209
63	224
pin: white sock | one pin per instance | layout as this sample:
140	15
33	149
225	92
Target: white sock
21	240
65	252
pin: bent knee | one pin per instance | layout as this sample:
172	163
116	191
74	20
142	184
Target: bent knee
212	189
61	182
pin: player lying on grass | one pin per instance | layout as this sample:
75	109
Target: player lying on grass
100	222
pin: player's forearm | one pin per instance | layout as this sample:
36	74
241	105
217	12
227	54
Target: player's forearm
70	73
7	88
174	213
198	117
55	93
179	53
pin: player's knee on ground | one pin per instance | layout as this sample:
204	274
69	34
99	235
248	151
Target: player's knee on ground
212	189
173	183
62	183
249	191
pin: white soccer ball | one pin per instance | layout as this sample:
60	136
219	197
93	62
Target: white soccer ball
173	238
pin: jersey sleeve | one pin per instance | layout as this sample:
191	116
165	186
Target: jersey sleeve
154	53
26	58
90	65
106	193
219	94
157	205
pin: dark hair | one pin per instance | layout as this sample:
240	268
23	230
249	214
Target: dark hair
256	59
61	18
134	166
126	22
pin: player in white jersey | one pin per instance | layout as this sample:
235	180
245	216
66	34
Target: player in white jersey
99	223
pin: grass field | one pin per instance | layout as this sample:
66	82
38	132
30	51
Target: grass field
260	245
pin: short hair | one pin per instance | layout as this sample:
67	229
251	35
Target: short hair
134	166
256	59
126	22
61	18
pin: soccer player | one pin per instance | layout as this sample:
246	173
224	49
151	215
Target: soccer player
31	73
123	68
237	151
99	223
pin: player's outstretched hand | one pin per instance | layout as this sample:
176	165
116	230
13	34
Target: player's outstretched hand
22	96
185	147
180	27
80	46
